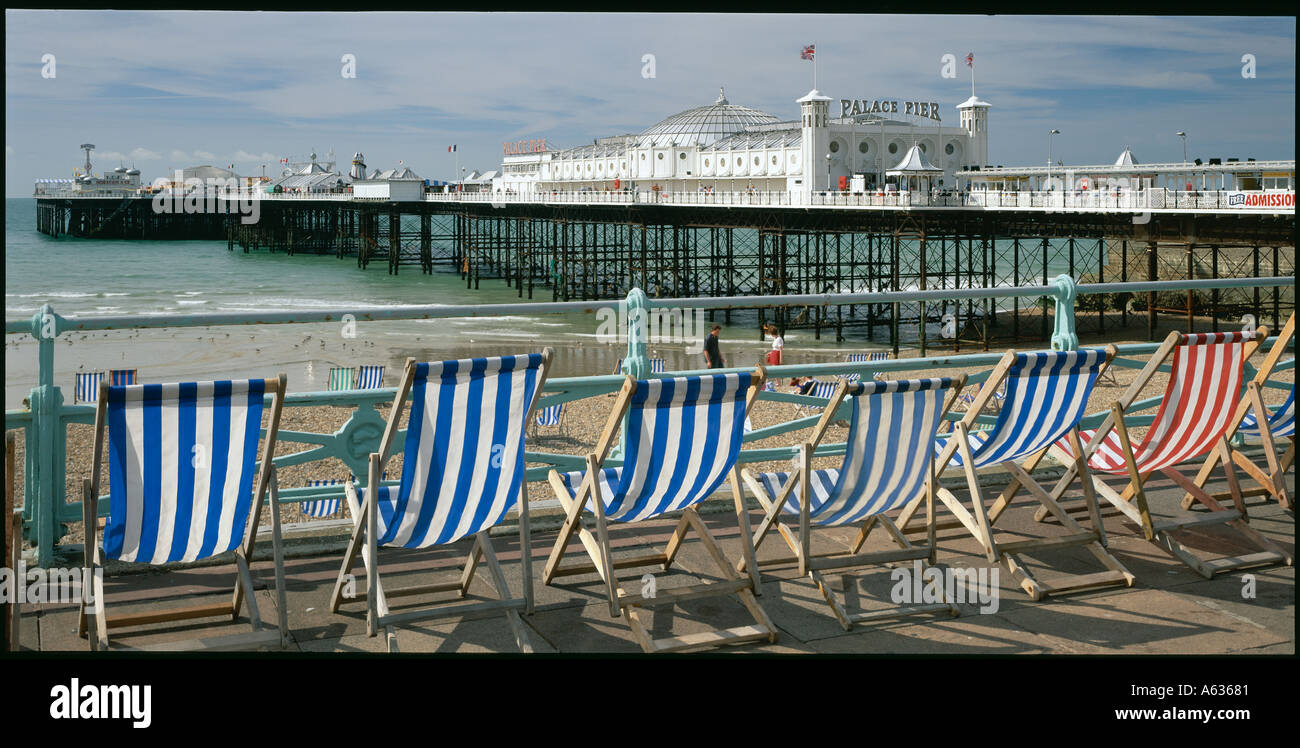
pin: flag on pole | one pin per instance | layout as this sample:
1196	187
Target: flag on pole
451	149
970	59
808	52
284	160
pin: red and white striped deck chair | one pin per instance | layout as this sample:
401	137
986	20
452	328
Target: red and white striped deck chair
1254	421
1195	417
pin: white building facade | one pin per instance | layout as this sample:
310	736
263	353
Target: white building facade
725	147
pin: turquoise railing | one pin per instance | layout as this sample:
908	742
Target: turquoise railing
45	419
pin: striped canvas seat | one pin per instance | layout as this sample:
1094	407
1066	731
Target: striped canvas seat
657	366
1197	408
370	377
87	389
340	378
182	459
1281	422
1046	395
463	461
823	390
886	459
321	508
685	435
121	377
863	358
550	416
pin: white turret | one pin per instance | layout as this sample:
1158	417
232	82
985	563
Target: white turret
814	119
975	121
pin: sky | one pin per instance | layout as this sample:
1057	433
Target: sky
166	90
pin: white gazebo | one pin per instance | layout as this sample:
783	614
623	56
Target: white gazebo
914	166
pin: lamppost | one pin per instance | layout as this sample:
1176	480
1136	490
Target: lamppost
828	173
1049	154
1183	135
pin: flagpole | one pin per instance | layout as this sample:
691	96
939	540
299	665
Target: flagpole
814	66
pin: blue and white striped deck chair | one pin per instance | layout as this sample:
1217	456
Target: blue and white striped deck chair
322	508
551	417
683	437
657	366
1280	425
462	471
888	463
87	389
121	377
1046	394
185	484
821	390
863	358
370	377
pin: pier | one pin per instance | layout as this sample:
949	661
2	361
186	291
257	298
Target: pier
593	246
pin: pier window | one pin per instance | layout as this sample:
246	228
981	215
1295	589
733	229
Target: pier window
863	147
948	149
893	147
835	146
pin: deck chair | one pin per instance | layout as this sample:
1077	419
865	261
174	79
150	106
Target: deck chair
994	403
462	471
341	378
888	461
121	377
1280	424
862	358
322	508
1195	416
370	377
820	389
551	417
185	484
657	366
87	386
1046	395
683	438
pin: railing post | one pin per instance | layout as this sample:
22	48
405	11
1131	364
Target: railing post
43	491
1064	337
638	323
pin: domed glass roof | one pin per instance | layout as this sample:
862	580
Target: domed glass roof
703	125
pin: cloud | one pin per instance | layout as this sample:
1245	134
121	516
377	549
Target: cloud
144	154
205	155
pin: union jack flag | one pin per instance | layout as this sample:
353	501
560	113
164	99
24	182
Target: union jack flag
808	52
970	59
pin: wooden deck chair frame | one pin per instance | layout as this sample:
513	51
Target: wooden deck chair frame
1132	502
800	541
364	544
981	522
630	606
95	623
1270	482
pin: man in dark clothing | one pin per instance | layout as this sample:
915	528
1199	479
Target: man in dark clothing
713	356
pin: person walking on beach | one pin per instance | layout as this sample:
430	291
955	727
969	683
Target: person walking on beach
778	344
713	356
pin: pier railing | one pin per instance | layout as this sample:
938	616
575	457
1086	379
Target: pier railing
45	420
1093	201
1083	201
